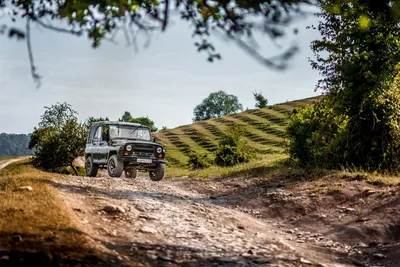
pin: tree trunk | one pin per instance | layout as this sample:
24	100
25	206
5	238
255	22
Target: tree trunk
75	170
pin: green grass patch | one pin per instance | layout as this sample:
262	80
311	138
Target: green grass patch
257	167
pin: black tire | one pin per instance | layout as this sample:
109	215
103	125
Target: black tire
115	167
90	167
158	174
131	173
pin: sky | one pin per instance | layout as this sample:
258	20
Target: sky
163	81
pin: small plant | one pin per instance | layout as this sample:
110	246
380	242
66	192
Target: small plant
231	149
197	161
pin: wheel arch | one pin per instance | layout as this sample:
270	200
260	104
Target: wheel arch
110	153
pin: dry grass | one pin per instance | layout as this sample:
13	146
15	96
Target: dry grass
7	158
37	220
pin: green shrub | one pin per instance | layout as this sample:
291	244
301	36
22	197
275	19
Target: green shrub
317	136
197	161
231	149
321	136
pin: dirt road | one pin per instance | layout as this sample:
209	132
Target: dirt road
170	223
5	163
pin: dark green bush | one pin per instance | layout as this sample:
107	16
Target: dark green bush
197	161
231	149
317	136
321	136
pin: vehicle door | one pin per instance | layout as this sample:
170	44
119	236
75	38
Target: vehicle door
103	145
96	143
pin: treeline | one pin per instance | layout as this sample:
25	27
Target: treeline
14	145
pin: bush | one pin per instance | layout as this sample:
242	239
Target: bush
231	149
317	137
321	136
59	139
197	161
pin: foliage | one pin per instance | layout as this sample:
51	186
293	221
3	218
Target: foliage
261	101
317	136
360	79
231	148
14	145
197	161
217	104
127	117
239	21
102	20
94	119
59	139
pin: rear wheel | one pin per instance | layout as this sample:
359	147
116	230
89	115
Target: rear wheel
91	168
157	174
115	167
131	173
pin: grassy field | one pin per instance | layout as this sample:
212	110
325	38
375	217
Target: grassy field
265	134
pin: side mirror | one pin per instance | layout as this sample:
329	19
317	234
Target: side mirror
155	139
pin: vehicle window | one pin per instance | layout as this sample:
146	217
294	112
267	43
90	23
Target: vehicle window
91	134
113	131
130	132
98	133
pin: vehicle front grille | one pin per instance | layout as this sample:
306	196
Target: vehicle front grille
143	154
143	149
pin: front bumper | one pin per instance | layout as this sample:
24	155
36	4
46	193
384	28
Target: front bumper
142	161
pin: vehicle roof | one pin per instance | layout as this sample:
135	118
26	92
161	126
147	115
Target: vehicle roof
119	123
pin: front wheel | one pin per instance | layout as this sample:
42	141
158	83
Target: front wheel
115	166
157	174
90	167
131	173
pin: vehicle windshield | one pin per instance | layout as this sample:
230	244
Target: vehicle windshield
130	132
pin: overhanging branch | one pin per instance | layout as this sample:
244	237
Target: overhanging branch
36	77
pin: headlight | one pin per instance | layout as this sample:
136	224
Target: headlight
128	148
159	150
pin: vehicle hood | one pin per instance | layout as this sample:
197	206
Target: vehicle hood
128	141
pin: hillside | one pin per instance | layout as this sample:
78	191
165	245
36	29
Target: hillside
266	130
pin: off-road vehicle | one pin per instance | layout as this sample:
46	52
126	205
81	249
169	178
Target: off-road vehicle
123	146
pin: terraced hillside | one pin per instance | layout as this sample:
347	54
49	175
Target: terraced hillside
266	129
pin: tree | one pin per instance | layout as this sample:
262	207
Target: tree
217	104
358	58
94	119
14	145
142	120
126	117
59	139
261	101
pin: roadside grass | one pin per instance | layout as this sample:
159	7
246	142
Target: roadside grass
260	166
37	220
276	170
8	157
